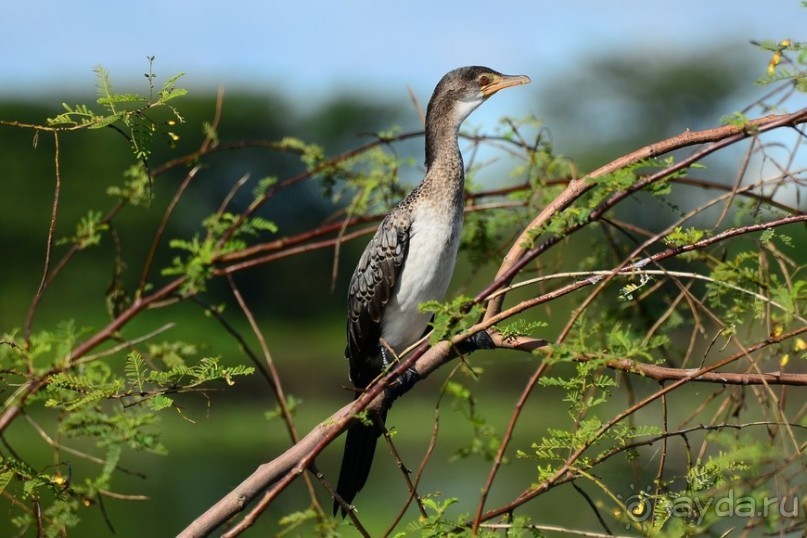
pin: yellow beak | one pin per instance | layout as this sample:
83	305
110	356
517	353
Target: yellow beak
505	81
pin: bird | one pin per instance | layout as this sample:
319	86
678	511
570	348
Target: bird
409	260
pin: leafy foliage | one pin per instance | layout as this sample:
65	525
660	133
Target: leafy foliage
114	411
127	111
451	317
109	404
225	234
88	231
136	186
485	442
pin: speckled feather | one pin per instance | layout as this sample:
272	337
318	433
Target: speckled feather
370	290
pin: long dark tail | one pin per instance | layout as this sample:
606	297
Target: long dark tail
357	459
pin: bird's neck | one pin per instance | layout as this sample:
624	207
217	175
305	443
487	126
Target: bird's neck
444	166
442	129
441	141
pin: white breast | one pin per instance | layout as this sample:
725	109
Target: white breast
425	276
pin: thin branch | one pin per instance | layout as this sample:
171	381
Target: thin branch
668	253
58	446
122	496
591	504
563	531
694	375
128	344
308	247
280	397
632	272
419	473
15	404
57	189
152	253
665	373
720	137
511	425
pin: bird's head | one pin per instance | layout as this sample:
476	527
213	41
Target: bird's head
464	89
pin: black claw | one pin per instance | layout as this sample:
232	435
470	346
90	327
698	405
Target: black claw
402	384
482	340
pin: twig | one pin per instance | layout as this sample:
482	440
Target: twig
593	507
57	189
666	373
563	531
122	496
280	397
519	255
15	403
566	468
633	271
308	247
413	490
508	434
49	440
152	253
125	345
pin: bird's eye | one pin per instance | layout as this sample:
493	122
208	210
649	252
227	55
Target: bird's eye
484	80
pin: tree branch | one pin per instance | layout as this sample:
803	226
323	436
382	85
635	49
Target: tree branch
519	255
566	471
291	463
665	373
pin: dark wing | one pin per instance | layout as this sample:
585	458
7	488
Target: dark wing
370	289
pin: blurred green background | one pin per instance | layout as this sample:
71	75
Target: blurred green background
596	108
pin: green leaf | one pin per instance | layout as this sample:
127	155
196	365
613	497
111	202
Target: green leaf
122	98
102	122
680	237
136	188
160	402
136	370
5	479
521	327
452	317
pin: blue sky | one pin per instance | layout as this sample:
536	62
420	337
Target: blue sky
311	48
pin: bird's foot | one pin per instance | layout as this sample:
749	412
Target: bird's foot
482	340
475	342
402	384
